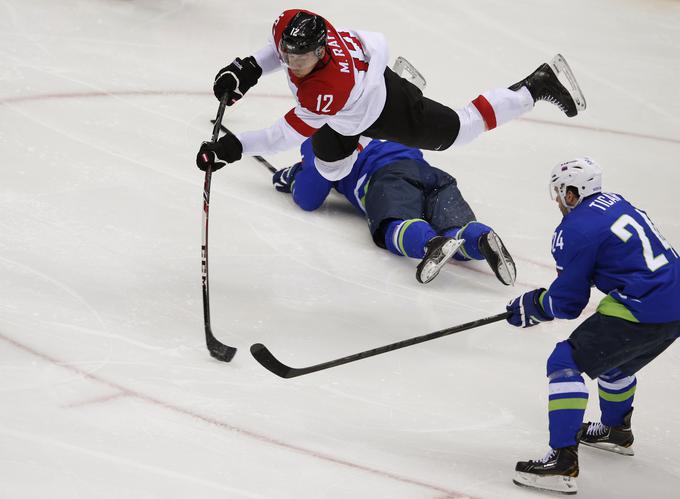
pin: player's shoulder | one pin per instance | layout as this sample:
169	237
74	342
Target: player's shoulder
603	205
576	231
589	222
578	224
388	147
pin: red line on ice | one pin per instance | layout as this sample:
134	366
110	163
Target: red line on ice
124	391
155	93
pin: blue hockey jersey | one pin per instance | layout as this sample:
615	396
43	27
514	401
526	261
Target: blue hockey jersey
607	242
310	189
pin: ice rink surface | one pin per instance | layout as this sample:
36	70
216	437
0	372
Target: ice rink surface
106	388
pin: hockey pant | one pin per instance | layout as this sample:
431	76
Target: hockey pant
416	121
408	202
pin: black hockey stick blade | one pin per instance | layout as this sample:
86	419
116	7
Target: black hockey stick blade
267	360
263	161
218	350
271	363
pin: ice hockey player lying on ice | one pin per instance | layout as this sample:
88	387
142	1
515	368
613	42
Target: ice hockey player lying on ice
412	208
603	241
344	89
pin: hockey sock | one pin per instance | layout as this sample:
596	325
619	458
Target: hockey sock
471	232
491	109
616	392
567	397
408	237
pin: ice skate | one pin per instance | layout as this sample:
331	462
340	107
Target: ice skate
544	84
498	258
438	251
557	471
617	439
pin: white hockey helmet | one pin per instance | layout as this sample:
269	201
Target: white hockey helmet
584	174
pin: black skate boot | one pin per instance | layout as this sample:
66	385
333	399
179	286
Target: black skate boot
544	84
498	258
617	439
557	471
438	251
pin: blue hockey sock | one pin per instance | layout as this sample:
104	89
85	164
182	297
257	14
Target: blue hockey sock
471	232
567	397
408	237
616	392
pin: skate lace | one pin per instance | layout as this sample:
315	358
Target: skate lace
596	429
553	100
547	457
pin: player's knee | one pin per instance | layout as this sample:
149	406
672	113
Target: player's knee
616	377
561	362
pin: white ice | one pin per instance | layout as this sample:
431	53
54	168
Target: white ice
106	388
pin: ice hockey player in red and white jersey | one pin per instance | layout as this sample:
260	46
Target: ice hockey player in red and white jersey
345	90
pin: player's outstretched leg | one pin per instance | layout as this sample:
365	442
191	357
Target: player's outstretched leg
557	471
438	251
617	439
482	243
544	84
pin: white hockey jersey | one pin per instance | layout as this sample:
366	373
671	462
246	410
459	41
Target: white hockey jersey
346	90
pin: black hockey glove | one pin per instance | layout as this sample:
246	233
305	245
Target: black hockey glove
283	179
236	79
227	148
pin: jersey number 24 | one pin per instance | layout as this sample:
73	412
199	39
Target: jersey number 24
654	262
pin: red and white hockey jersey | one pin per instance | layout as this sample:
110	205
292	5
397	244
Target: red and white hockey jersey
346	90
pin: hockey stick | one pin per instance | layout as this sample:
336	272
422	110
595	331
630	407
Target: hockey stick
266	163
218	350
271	363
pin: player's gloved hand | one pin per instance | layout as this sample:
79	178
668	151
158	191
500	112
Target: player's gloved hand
526	310
283	179
228	148
236	79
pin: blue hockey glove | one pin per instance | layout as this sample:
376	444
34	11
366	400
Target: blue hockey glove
228	148
283	179
526	310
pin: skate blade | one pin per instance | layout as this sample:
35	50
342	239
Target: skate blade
624	451
561	68
555	483
507	273
408	72
431	269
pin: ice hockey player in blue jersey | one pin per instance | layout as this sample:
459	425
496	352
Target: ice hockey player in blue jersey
606	242
413	209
